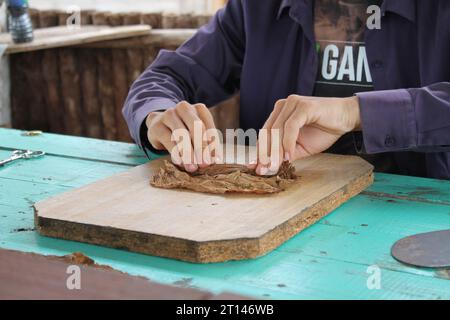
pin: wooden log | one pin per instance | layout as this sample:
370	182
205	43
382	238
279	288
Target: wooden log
180	21
70	92
105	83
149	52
34	16
51	79
48	18
52	89
86	17
169	21
26	92
152	19
101	18
70	87
135	60
5	84
30	110
5	92
202	19
92	117
120	82
20	100
114	19
62	18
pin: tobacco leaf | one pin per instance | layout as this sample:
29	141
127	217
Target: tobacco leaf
223	178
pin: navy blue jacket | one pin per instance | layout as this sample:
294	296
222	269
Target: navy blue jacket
265	49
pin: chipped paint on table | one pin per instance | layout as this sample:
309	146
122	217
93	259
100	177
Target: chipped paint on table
329	260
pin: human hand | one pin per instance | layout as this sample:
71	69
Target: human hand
196	121
301	126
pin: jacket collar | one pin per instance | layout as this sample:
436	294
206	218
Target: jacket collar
302	12
404	8
302	8
284	4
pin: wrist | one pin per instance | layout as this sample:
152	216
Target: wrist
355	114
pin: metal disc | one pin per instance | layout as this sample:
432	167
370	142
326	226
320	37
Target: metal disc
430	250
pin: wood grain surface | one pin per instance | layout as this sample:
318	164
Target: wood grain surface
124	211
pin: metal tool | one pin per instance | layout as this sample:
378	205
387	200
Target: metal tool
429	250
22	154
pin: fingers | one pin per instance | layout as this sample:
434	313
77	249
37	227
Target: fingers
277	153
186	127
292	128
205	115
271	143
166	141
188	114
264	139
177	132
263	152
207	119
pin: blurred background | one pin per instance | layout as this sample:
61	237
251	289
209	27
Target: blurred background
80	89
173	6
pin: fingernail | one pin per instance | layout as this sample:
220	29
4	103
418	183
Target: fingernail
263	171
191	167
287	157
274	167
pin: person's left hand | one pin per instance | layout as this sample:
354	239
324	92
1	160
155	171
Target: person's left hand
302	126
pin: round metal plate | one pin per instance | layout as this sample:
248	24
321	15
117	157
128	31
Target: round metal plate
430	250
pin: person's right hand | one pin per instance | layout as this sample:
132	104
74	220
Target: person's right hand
161	125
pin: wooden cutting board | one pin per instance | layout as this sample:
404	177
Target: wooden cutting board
124	211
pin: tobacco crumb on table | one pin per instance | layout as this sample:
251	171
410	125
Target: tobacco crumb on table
81	259
224	178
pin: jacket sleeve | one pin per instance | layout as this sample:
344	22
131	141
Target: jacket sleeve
406	119
205	69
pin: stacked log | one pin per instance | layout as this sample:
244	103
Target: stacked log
120	82
51	77
81	90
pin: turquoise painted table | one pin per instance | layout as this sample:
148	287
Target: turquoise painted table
333	259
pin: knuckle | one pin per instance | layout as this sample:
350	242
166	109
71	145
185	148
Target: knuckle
169	112
279	104
201	107
183	105
293	98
